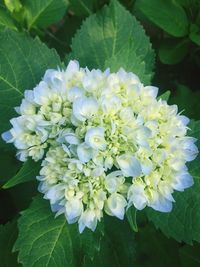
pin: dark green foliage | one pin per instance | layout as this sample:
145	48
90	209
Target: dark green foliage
100	34
121	41
8	235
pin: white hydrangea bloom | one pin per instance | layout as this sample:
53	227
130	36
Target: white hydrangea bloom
106	143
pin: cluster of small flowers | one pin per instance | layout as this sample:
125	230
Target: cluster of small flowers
106	142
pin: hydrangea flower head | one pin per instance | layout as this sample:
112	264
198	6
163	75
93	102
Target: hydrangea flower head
105	141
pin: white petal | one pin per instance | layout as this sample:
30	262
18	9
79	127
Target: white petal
84	152
111	105
7	137
191	150
111	185
160	203
41	93
22	155
95	138
115	205
29	96
55	80
74	209
146	166
72	67
55	193
151	91
182	181
66	149
111	181
74	93
185	120
87	219
84	108
72	139
137	197
166	190
129	165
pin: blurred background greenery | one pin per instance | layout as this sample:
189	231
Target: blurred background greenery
174	30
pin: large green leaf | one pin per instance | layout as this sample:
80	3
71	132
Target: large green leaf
114	38
183	222
51	242
172	51
42	13
155	250
8	235
168	15
28	172
23	62
83	7
181	96
5	20
9	165
195	34
118	246
190	256
13	5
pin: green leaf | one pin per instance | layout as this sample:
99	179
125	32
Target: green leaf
168	15
173	51
13	5
190	255
131	61
189	4
21	195
165	96
195	34
61	39
51	242
131	215
42	13
117	247
120	42
9	165
28	172
8	235
22	65
5	20
83	7
183	222
180	97
155	250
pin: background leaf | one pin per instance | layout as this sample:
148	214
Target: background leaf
187	101
190	256
168	15
6	20
42	13
13	5
9	165
84	7
195	34
8	235
173	51
28	172
155	250
117	247
51	242
120	42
